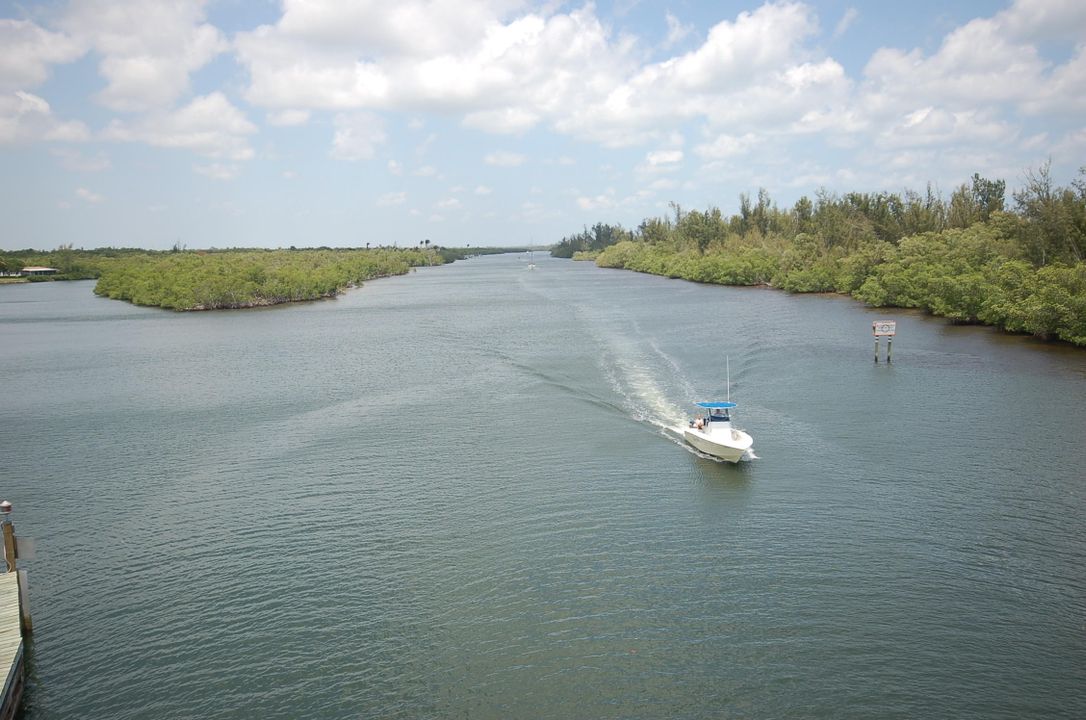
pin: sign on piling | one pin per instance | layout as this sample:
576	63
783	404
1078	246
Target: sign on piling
884	328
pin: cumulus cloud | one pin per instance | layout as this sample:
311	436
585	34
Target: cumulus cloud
664	157
29	51
661	161
933	126
209	125
754	71
979	89
498	71
147	50
25	117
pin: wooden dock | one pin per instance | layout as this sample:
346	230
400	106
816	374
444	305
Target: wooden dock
11	645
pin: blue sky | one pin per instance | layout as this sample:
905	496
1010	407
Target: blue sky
231	123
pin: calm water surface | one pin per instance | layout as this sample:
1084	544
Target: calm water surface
451	494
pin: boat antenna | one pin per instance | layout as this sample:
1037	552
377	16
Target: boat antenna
728	364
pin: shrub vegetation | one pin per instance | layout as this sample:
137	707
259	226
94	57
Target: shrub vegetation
969	258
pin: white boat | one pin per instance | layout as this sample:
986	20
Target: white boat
713	433
531	260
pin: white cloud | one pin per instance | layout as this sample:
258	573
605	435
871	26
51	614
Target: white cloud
981	87
426	171
357	136
88	196
664	157
499	72
29	51
209	125
25	118
977	63
1065	91
603	201
147	49
754	72
507	70
504	159
661	161
932	126
394	167
483	190
447	204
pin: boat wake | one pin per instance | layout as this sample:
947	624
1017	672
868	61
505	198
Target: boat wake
645	378
648	380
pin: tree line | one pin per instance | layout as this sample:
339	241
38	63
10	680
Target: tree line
250	278
182	279
973	258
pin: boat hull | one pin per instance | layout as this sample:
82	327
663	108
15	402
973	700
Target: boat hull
736	445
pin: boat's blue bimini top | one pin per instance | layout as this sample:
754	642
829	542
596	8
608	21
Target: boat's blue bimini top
716	405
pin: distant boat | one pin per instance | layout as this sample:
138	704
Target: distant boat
531	260
713	433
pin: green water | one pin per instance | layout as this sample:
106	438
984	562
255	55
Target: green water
451	494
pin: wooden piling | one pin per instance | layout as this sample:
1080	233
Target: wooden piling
24	604
9	544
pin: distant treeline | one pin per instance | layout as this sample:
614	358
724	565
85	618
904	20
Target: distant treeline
70	263
970	259
248	278
206	280
182	279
